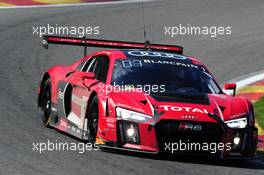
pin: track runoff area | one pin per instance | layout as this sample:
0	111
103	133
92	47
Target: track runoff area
6	4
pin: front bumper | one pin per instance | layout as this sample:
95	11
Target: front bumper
155	139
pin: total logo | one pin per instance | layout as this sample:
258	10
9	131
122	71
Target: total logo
184	109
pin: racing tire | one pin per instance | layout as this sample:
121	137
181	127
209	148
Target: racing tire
46	103
92	121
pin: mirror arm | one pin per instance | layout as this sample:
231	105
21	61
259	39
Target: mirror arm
83	78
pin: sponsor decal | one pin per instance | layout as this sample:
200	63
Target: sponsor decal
156	54
54	109
79	101
190	117
184	109
139	63
239	115
63	125
110	123
82	103
150	61
60	94
186	126
75	129
132	146
132	63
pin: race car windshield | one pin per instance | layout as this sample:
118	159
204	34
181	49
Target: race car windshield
166	74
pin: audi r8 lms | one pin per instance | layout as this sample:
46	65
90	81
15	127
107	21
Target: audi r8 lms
147	98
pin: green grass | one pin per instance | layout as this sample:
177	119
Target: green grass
259	110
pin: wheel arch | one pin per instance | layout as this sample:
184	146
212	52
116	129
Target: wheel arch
45	77
93	94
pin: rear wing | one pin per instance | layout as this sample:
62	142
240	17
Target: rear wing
85	42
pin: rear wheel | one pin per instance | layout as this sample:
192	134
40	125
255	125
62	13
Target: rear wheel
46	103
92	123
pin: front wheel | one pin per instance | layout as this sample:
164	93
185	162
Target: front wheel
46	103
92	122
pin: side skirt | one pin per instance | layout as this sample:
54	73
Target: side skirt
63	124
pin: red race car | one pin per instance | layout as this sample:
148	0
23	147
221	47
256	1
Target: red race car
147	98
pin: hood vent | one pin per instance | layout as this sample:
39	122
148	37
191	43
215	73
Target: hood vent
193	98
222	108
144	102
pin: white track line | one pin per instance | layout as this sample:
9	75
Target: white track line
71	5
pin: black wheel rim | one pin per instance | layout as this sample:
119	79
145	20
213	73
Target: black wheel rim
46	104
93	123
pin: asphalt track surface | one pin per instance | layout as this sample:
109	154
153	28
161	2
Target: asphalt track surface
23	61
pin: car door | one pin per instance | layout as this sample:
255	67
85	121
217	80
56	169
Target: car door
80	92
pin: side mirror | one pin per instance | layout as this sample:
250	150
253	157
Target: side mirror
45	42
88	75
230	86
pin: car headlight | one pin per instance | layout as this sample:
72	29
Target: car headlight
237	123
131	115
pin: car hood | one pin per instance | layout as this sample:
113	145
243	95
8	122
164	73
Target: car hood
183	106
